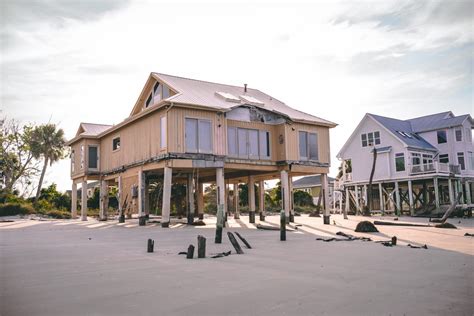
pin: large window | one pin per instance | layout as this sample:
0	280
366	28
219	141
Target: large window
444	158
73	158
308	146
93	156
370	139
116	143
248	143
163	131
82	157
400	162
415	159
198	136
158	93
458	133
468	135
442	137
470	159
461	162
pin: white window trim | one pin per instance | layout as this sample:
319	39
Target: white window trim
462	135
198	151
404	162
166	132
308	158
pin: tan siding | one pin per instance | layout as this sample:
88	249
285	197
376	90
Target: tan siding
77	158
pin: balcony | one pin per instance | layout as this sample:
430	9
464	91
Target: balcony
339	183
434	167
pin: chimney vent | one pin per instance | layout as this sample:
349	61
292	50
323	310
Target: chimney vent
245	87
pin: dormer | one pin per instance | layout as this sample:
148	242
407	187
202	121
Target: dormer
153	93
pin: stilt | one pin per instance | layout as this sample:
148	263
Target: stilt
460	189
292	206
451	194
119	199
325	188
410	197
236	201
200	200
356	188
141	198
261	204
74	200
84	201
468	193
348	203
381	199
285	194
365	195
165	210
146	197
251	196
190	191
103	201
436	191
220	204
398	200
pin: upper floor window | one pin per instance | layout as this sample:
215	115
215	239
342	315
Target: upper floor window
198	136
400	162
308	146
470	160
461	161
444	158
415	159
73	158
248	143
116	143
442	137
468	135
163	132
370	139
148	101
458	133
93	155
82	157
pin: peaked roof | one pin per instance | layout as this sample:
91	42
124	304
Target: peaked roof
92	129
437	121
309	181
204	93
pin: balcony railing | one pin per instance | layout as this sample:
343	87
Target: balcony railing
338	184
434	167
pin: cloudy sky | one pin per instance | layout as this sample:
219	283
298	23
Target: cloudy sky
76	61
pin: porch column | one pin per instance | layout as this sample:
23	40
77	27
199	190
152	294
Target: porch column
84	201
141	197
74	200
451	194
200	200
468	192
119	199
165	210
236	201
410	197
356	188
381	202
261	204
251	193
146	196
103	200
459	186
436	191
397	197
366	196
190	190
285	194
348	203
340	201
325	188
292	204
220	191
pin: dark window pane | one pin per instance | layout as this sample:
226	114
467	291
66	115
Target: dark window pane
461	161
264	144
400	162
148	101
116	143
242	137
442	138
156	87
313	146
93	157
191	135
303	145
232	141
459	135
370	139
444	158
205	137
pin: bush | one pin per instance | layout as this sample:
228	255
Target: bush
59	214
11	209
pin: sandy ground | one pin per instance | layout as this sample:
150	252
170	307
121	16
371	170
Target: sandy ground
69	267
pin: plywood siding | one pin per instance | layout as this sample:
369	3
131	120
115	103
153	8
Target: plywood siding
138	141
292	140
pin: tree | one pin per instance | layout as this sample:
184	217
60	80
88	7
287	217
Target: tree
302	198
348	168
368	208
49	144
17	164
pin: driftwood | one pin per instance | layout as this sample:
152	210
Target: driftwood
243	240
190	252
417	247
235	243
221	254
150	245
348	238
399	224
449	211
201	247
468	235
446	225
389	243
267	227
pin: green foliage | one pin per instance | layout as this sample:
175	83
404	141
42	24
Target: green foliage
59	214
302	198
348	168
11	209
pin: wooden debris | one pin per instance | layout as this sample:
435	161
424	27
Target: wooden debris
243	240
235	243
417	247
282	226
201	247
150	245
221	254
446	225
468	235
190	252
267	227
399	224
198	223
449	211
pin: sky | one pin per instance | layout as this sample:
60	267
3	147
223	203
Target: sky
68	62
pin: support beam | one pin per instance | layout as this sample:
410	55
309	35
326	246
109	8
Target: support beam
325	188
141	197
348	203
74	200
460	190
165	210
451	194
292	202
356	188
236	201
468	193
200	200
220	197
410	196
366	195
285	194
436	191
261	204
381	199
398	200
103	200
119	199
251	196
190	191
146	197
84	201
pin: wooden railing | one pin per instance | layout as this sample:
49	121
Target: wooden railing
434	167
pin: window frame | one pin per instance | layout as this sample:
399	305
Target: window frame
398	156
83	160
98	157
438	136
308	157
456	130
247	155
113	143
73	160
198	145
462	165
443	157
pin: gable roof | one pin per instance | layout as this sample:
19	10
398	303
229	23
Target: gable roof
309	181
92	129
204	94
437	121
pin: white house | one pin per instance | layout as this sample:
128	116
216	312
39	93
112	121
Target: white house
421	163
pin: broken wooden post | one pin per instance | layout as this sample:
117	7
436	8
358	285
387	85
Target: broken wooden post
201	247
220	204
142	221
150	245
219	224
282	225
190	253
394	240
235	243
243	240
251	199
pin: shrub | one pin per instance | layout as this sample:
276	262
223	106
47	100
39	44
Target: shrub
58	214
10	209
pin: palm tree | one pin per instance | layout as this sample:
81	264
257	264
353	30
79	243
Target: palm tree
47	143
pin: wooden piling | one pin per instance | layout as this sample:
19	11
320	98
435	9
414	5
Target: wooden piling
201	247
282	225
150	245
235	243
190	253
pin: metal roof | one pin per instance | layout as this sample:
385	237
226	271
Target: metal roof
91	129
203	93
309	181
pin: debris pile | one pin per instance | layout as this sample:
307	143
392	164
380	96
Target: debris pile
366	227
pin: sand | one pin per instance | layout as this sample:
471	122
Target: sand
69	267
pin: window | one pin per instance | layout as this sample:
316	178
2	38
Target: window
470	159
308	146
156	87
93	157
427	159
458	133
148	101
163	132
166	92
400	162
442	138
198	136
248	143
468	135
72	161
82	157
415	159
116	143
461	161
370	139
444	158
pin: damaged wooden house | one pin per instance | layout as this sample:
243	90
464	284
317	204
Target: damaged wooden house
422	164
195	132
